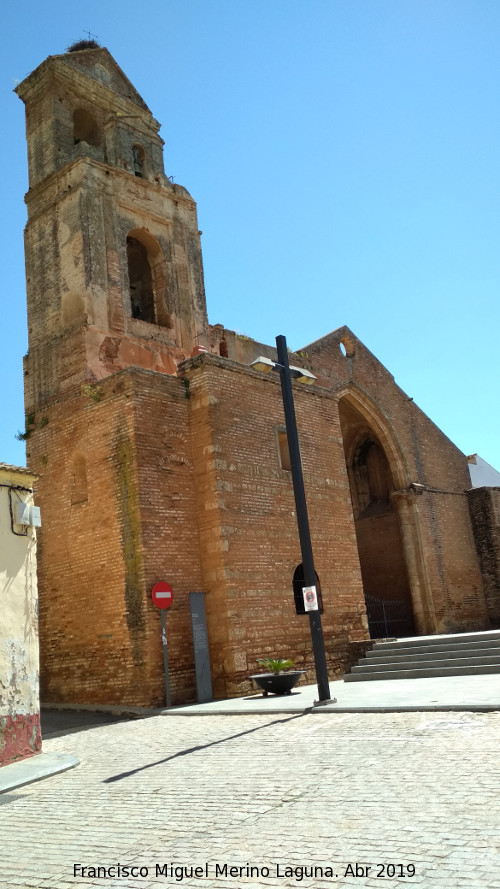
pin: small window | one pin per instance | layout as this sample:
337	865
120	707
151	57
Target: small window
298	584
139	161
284	453
347	346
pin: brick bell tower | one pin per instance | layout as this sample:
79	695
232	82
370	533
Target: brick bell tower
116	301
113	256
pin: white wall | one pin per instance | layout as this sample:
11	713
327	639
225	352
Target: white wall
19	683
482	475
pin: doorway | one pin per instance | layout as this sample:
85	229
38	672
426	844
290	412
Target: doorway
380	548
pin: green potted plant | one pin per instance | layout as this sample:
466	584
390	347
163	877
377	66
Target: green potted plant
279	678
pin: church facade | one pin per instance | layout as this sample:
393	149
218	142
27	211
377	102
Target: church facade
160	453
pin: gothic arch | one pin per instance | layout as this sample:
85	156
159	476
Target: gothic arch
386	518
381	427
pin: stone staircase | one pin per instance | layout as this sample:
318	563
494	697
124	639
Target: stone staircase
423	656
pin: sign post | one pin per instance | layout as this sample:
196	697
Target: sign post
162	596
310	602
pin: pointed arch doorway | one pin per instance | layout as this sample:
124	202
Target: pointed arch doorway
386	583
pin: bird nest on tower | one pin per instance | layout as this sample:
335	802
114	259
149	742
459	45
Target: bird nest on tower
83	44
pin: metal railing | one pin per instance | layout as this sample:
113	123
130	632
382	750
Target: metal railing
389	617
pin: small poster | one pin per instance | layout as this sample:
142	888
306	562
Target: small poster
310	598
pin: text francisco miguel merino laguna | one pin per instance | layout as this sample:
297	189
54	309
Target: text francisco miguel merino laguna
180	872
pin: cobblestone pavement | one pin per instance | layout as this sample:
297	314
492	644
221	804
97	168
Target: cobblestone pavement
368	800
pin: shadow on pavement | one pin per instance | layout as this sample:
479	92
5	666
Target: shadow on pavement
190	750
56	723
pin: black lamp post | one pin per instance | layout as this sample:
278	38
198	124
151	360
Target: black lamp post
286	373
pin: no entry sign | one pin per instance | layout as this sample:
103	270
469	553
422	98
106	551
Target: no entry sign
310	598
162	595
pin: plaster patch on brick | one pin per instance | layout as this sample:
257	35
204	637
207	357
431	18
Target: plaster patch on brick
19	679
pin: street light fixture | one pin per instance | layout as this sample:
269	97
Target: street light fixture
287	373
265	365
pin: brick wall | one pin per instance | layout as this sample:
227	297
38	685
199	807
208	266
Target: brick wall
168	512
438	543
189	490
484	505
184	483
248	532
381	556
92	650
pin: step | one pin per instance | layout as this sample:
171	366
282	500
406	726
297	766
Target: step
447	639
429	663
489	649
421	673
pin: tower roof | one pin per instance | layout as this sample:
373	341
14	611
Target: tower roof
97	63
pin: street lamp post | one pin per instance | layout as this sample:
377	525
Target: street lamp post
286	373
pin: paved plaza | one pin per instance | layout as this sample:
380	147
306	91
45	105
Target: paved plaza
475	693
254	800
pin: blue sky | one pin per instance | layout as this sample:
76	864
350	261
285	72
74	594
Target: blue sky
344	155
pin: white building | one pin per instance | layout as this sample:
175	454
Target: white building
482	475
19	687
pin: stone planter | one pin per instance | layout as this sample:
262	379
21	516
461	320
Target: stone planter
277	683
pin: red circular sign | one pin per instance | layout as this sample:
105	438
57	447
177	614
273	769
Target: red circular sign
162	595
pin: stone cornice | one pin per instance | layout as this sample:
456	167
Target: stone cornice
172	191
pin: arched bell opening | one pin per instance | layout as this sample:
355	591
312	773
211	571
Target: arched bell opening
142	300
85	128
147	279
139	161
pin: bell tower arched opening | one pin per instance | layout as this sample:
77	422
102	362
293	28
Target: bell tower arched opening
142	301
85	128
386	584
139	161
147	279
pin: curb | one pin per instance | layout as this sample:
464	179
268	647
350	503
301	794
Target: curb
36	768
